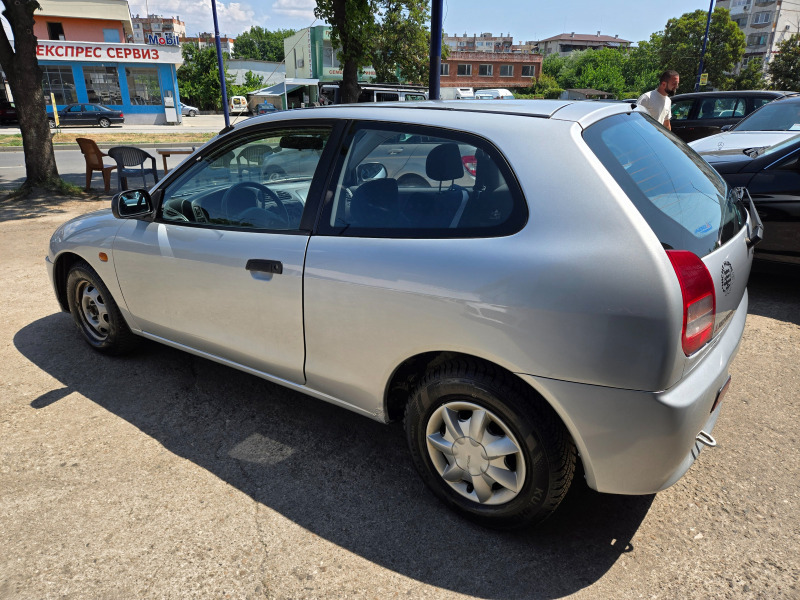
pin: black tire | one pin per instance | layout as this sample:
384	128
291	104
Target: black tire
95	313
104	122
541	468
51	123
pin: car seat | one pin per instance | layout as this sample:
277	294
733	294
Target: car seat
444	208
376	203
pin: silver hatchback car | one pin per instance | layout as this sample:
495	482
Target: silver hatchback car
576	295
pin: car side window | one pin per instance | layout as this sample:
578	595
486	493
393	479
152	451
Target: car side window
254	182
412	182
76	108
680	109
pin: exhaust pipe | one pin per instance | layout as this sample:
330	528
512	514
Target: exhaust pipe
706	439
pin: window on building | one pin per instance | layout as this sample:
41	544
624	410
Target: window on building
528	71
102	85
757	39
55	31
506	70
143	85
59	82
465	69
485	70
740	21
111	36
329	57
444	69
762	18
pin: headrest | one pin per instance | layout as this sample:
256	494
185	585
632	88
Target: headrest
444	163
375	203
487	175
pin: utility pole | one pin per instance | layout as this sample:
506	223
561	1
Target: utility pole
703	51
436	50
221	66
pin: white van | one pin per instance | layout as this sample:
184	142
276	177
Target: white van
456	93
238	105
494	94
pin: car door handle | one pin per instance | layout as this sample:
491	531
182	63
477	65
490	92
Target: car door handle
395	151
264	266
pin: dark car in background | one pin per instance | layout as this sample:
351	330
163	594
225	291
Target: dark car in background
8	113
772	176
87	115
701	114
265	108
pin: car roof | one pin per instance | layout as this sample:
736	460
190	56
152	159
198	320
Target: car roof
569	110
741	93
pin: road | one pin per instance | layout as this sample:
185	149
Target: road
200	123
163	475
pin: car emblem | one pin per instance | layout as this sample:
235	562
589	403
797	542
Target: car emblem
720	145
726	278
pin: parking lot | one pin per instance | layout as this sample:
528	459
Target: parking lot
163	475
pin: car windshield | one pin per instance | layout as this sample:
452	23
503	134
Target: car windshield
681	197
780	115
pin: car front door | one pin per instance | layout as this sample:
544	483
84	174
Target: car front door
220	270
776	193
71	115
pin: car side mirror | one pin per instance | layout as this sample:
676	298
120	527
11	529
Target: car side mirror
725	127
132	204
370	171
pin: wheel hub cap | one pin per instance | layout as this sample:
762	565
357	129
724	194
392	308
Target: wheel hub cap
470	456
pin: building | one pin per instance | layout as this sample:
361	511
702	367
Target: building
156	25
203	40
87	58
485	70
565	43
485	42
272	72
765	23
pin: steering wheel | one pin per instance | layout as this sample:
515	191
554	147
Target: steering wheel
264	191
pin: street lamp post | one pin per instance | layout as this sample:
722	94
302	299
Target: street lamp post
436	50
703	51
221	66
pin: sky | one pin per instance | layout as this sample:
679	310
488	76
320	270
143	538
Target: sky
523	19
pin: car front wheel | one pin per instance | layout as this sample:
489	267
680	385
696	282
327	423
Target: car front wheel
192	113
487	446
95	313
104	123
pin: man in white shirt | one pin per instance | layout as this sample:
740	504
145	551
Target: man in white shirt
657	102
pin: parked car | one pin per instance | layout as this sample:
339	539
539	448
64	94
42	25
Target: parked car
494	94
772	176
771	124
585	309
8	113
701	114
87	115
265	108
189	111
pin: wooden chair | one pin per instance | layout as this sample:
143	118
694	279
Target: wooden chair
94	162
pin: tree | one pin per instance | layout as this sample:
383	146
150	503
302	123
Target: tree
25	80
642	66
683	43
750	78
261	44
353	29
251	82
784	70
400	51
198	77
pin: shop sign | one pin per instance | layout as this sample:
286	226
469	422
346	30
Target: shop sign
92	52
160	40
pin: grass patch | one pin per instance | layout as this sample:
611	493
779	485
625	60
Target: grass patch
128	139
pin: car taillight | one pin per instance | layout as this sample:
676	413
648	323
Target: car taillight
699	301
121	115
470	164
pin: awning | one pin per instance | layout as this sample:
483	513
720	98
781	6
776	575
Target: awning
283	88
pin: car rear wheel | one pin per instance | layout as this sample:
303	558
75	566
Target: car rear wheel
487	446
95	313
51	123
103	122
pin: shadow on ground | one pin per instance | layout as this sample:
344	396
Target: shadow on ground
340	476
775	291
43	203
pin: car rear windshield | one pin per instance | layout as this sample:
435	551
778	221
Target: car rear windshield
685	202
779	115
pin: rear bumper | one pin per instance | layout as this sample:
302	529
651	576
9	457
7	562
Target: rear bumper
634	442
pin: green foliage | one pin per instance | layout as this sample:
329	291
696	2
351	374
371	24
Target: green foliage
198	77
261	44
552	64
642	67
400	51
546	87
784	70
749	78
683	43
251	82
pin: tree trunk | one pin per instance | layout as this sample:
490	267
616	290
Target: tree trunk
25	80
349	89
